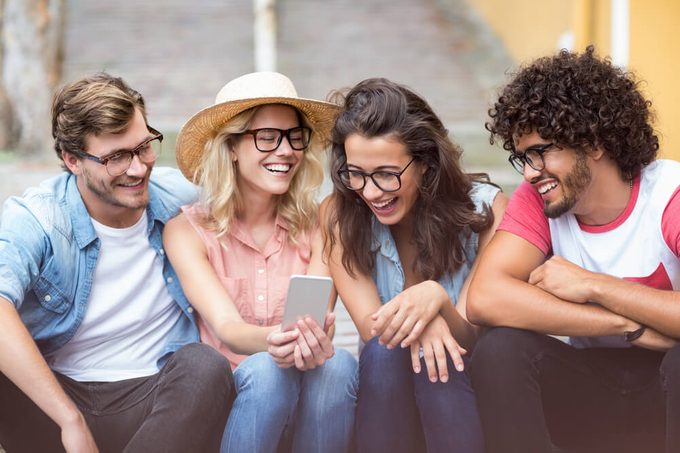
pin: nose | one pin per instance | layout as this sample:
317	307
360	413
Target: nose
284	148
529	173
370	190
137	167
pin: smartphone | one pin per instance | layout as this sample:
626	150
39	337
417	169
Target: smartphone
308	295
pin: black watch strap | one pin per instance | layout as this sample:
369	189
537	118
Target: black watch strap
632	335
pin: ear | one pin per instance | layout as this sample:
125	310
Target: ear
72	162
596	153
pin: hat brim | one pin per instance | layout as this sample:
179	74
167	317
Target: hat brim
205	124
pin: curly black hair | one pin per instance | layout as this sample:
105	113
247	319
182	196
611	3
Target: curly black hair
579	101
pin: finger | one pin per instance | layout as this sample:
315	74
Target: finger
428	355
309	337
329	321
299	361
403	332
324	340
382	318
440	358
417	329
281	351
454	351
278	338
304	349
415	357
391	329
536	275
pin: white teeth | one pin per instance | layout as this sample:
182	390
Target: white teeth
131	184
546	188
382	204
278	167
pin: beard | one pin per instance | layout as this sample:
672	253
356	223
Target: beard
105	192
575	182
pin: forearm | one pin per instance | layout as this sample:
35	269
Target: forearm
464	332
23	364
244	338
513	303
658	309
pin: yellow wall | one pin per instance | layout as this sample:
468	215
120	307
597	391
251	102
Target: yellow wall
655	57
530	29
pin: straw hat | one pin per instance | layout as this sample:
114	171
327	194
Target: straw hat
241	94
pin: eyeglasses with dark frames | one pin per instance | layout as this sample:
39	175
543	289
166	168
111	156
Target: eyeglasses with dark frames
532	156
119	161
387	181
269	139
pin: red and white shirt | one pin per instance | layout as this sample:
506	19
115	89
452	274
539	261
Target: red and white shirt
640	245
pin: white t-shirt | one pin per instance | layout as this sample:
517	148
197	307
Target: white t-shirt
129	313
641	245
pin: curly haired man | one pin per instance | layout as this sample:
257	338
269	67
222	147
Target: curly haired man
589	249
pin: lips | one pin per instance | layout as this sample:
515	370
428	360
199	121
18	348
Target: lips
546	186
135	184
278	168
384	205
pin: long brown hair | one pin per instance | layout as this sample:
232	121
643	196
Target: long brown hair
378	107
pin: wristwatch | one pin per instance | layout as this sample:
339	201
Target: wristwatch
632	335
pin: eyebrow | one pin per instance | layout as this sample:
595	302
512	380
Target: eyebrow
380	168
124	150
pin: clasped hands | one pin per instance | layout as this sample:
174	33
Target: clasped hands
305	347
412	320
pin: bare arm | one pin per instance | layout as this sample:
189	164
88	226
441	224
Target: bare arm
358	293
658	309
204	290
500	295
22	363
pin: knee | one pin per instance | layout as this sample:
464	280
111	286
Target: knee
502	349
670	368
260	375
339	374
383	371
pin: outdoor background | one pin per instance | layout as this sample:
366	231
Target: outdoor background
178	54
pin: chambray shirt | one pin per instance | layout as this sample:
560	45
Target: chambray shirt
388	273
49	249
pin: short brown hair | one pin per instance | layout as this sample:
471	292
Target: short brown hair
96	104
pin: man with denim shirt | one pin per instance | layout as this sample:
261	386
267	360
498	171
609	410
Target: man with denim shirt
98	345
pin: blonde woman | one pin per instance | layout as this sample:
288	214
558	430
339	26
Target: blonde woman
255	155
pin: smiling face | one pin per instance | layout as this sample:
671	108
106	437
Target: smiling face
267	173
385	154
563	180
116	201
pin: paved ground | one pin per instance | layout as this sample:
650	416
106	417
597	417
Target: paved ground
178	54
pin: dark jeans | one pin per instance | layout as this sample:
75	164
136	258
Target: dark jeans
400	411
182	408
538	394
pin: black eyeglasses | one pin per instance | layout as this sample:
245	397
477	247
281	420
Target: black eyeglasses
269	139
119	161
387	181
532	156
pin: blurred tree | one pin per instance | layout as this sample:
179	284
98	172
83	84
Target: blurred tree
31	58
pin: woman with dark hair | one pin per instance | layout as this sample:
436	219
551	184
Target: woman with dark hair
404	225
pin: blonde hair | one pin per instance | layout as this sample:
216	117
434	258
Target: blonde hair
222	199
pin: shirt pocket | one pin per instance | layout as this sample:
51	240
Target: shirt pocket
50	296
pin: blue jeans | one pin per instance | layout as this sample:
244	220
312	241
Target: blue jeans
400	411
318	405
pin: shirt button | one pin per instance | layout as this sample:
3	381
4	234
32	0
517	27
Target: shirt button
162	252
260	322
169	280
260	271
48	298
260	297
190	309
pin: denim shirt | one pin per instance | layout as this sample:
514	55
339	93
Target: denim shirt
49	250
388	273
